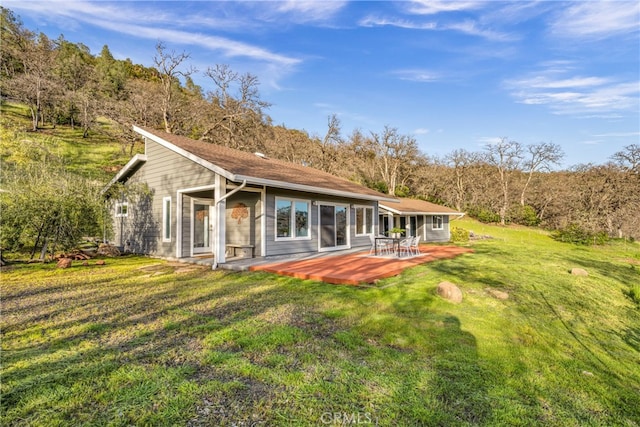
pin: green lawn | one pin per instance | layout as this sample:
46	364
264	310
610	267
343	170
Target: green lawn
145	342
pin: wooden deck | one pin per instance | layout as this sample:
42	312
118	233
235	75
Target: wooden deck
357	268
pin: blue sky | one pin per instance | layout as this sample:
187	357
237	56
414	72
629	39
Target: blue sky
453	74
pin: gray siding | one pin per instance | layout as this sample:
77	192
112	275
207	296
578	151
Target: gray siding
165	172
274	248
437	235
243	230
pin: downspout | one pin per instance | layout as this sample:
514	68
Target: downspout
231	193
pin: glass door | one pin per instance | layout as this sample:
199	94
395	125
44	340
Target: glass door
333	227
202	227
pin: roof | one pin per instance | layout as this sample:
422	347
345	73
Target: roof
127	170
239	166
419	207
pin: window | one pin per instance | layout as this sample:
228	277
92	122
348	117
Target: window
437	222
292	219
122	209
364	221
166	219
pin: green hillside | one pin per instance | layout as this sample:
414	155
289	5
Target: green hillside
99	156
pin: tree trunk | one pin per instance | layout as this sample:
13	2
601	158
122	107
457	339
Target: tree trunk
43	252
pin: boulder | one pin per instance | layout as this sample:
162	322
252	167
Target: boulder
106	249
498	294
64	263
579	272
450	291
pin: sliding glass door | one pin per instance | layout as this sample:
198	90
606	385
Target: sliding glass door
334	227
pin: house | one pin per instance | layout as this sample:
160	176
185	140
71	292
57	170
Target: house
184	198
417	218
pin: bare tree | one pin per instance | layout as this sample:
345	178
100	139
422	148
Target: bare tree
167	64
461	161
37	83
541	157
505	156
237	114
629	158
396	155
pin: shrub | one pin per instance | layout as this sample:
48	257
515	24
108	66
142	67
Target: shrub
524	215
484	215
459	234
575	234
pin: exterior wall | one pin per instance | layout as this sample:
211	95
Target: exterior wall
164	172
286	247
437	235
243	219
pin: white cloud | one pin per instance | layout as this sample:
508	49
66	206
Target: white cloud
421	131
468	27
432	7
618	134
597	19
417	75
308	11
373	21
591	96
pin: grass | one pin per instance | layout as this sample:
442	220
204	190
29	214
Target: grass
146	342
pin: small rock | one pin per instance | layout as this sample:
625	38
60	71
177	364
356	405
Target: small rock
450	291
498	294
579	272
64	263
85	263
100	262
587	373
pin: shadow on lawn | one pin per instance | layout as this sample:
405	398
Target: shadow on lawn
444	375
460	382
212	348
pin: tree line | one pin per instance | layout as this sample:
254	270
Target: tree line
63	83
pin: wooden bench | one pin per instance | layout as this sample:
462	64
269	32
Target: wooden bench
240	251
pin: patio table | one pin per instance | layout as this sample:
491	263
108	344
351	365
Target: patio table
395	244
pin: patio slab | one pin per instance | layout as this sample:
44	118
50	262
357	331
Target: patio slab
357	268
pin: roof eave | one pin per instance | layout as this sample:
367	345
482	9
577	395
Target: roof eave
400	212
126	169
311	189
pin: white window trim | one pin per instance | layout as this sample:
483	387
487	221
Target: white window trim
119	206
166	212
433	222
293	214
364	218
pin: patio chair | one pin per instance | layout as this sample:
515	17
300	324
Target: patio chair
405	246
383	246
415	248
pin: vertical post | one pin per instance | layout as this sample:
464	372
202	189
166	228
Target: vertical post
219	226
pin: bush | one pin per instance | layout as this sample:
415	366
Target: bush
484	215
575	234
524	215
459	234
